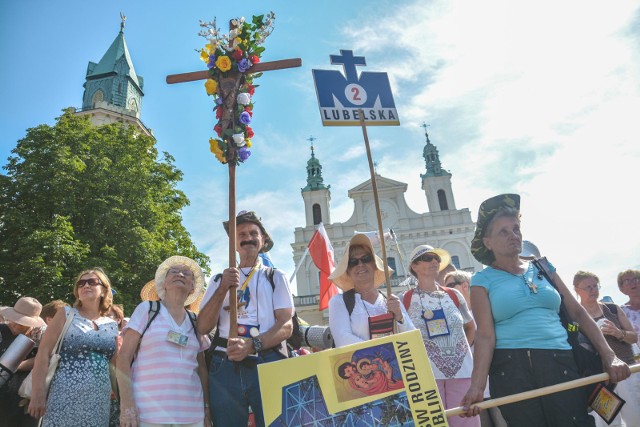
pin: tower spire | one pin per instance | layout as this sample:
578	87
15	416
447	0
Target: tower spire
431	157
123	18
314	171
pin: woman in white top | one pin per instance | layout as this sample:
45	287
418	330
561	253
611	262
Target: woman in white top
359	274
444	319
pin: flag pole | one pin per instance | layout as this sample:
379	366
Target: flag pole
304	255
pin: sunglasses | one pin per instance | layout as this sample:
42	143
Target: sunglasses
91	282
426	258
355	261
452	284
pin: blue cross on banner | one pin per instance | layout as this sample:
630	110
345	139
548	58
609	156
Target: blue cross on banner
341	95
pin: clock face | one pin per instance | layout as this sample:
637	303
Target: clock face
388	213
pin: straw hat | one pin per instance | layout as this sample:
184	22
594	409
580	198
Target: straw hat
445	258
25	312
153	290
340	277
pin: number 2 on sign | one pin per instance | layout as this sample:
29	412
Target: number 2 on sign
355	94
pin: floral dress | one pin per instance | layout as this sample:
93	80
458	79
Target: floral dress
80	392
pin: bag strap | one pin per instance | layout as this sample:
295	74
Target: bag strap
65	328
349	298
406	298
452	294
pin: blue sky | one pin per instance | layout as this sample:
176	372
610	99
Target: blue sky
540	98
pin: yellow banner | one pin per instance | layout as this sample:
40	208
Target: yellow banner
383	381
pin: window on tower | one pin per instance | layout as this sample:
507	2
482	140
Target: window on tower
98	96
442	199
317	214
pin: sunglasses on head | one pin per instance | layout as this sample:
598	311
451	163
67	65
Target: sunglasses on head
452	284
426	258
355	261
91	282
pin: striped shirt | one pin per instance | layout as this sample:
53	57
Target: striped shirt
165	381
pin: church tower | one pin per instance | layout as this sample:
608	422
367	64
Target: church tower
436	183
316	195
113	90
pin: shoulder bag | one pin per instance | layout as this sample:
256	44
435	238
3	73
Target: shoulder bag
26	387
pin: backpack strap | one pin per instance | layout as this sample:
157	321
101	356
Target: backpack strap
452	294
270	273
613	308
406	298
154	309
349	298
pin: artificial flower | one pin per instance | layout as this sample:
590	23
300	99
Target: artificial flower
245	118
204	55
238	139
249	143
248	110
244	98
254	59
211	86
218	112
244	65
251	89
243	154
218	129
212	61
223	63
237	55
249	132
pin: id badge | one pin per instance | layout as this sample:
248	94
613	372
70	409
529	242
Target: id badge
177	338
436	323
248	331
381	325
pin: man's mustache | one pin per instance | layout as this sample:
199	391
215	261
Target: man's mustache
249	242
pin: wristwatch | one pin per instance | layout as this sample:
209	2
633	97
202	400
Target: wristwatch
257	344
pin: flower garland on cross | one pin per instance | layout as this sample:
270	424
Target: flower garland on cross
229	58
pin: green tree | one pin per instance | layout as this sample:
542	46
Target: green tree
77	196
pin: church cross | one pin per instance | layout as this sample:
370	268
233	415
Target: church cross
424	125
311	139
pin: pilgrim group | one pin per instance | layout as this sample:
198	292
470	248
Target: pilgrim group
492	334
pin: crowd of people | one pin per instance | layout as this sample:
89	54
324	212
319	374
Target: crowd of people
177	362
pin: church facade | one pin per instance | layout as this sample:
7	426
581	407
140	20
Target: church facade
112	89
444	226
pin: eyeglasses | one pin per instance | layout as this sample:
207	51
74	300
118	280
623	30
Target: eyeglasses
452	284
590	287
631	280
426	258
355	261
91	282
176	271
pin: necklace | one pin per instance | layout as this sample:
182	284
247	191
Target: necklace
533	288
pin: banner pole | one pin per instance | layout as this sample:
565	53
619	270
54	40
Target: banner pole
538	392
376	201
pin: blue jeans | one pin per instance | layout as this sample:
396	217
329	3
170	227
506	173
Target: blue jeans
233	387
516	370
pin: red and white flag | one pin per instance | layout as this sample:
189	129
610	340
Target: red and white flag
321	253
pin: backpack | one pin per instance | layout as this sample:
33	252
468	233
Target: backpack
294	342
349	298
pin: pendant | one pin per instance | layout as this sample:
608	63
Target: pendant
427	314
532	287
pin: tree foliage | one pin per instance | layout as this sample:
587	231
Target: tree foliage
77	196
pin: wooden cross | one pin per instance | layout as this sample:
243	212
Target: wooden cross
203	75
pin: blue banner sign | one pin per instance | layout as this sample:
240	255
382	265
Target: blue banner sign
341	95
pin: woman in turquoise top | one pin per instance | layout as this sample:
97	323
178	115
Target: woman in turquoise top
520	343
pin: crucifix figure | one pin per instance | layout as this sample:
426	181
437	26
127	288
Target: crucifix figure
227	90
